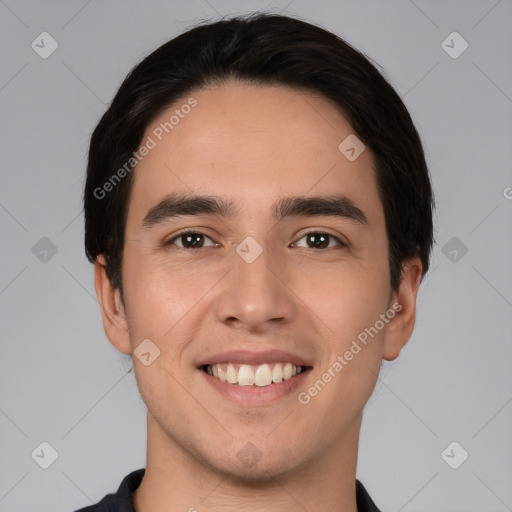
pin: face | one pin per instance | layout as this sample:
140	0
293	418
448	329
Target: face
266	282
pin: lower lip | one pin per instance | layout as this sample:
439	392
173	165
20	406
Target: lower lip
254	395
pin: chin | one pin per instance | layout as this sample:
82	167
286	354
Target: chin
250	465
261	473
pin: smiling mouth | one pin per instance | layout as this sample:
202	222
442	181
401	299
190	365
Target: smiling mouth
260	375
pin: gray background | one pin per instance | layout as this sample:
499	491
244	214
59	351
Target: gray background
61	380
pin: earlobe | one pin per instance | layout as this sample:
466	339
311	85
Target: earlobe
112	309
400	328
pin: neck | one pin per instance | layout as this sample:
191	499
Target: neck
175	480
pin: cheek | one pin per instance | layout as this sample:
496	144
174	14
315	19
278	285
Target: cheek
346	306
353	347
344	299
353	309
164	301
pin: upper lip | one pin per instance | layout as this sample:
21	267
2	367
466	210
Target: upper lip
248	357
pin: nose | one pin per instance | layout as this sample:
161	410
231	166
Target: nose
257	294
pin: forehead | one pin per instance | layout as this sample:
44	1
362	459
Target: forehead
252	144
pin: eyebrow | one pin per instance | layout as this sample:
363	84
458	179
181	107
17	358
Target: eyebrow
175	205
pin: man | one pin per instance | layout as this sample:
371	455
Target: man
259	214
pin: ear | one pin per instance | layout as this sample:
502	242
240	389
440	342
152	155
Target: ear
112	309
400	327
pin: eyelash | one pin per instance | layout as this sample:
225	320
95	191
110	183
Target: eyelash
193	232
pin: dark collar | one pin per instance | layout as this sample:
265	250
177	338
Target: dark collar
121	501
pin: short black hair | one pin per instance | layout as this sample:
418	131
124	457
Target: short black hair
262	49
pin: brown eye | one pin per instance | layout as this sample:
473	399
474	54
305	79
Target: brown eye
189	240
320	240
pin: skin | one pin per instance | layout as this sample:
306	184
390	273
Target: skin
252	145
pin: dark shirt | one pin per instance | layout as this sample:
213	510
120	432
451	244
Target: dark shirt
121	501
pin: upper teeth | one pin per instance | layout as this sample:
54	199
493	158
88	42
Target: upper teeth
247	375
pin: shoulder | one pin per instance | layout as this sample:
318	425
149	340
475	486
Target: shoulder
121	500
363	499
